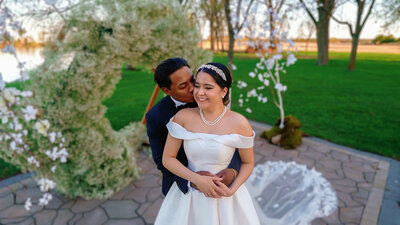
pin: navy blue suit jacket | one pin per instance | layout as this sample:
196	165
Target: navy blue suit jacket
157	119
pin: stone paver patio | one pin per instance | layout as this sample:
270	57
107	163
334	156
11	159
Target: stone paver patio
358	180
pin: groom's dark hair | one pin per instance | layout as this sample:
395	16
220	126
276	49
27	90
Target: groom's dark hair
166	68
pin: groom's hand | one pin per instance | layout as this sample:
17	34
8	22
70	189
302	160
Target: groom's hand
203	173
228	175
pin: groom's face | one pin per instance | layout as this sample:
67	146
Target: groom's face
181	85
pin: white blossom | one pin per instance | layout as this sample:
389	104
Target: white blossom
242	84
260	77
291	59
46	184
32	160
266	82
26	94
42	126
45	199
52	137
240	102
29	113
248	110
51	2
4	119
9	49
252	93
252	74
3	106
234	67
53	169
28	204
270	63
2	83
8	96
280	87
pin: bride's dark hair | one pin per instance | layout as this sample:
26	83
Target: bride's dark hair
218	78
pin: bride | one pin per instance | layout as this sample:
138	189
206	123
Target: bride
210	135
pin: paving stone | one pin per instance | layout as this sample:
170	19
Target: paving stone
82	205
16	220
33	193
369	176
257	158
347	199
147	181
26	221
286	153
6	201
15	186
121	209
55	203
30	182
154	194
4	191
63	215
362	193
143	207
68	204
312	155
309	162
75	219
18	211
137	221
344	182
366	186
45	217
318	222
340	156
150	214
329	174
139	194
123	192
145	165
330	163
354	158
97	216
333	218
353	174
351	214
344	189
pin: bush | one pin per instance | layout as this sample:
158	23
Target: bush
381	39
289	137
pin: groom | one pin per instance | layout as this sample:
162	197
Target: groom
175	78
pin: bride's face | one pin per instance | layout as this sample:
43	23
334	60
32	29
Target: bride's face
206	90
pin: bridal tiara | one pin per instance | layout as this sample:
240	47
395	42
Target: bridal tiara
214	68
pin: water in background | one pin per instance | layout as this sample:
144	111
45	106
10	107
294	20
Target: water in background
8	64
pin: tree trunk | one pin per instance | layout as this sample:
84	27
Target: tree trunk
212	33
323	39
231	35
353	54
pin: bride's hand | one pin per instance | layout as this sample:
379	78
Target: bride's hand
207	185
228	192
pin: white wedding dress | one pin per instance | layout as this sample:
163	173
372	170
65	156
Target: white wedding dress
208	152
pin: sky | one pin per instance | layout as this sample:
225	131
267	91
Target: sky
346	12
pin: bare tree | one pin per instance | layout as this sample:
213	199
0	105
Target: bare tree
306	30
234	27
390	12
355	30
325	10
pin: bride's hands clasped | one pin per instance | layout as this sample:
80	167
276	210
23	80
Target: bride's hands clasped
207	185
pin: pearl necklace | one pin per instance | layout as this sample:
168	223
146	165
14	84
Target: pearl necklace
213	122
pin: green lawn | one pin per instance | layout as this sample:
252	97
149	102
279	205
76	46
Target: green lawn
360	109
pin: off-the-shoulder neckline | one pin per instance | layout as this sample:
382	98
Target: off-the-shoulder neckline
211	134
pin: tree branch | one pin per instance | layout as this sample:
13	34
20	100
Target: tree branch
368	13
246	14
309	12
